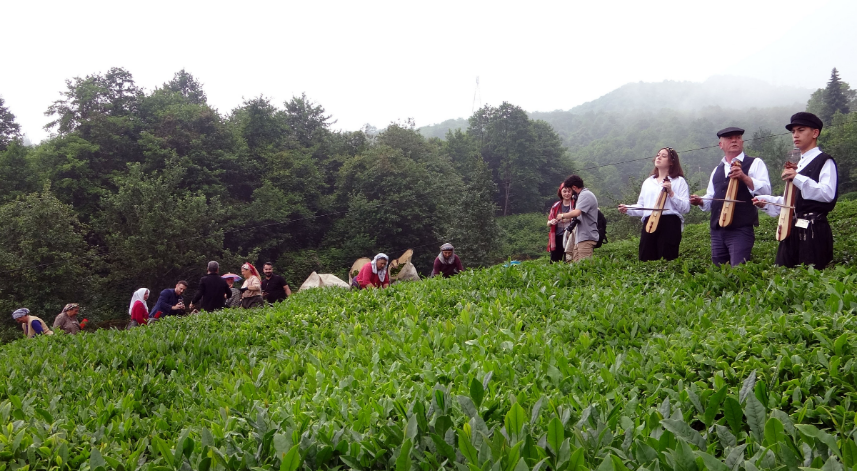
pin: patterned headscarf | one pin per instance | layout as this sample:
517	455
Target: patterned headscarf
383	274
445	260
249	266
20	313
69	307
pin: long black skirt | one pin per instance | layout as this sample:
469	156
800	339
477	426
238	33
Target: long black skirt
664	242
810	246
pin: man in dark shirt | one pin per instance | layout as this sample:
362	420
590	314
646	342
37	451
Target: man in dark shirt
274	287
170	302
213	290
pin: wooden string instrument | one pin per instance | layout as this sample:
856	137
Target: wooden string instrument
731	194
655	217
787	211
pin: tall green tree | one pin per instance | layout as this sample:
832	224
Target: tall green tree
158	233
835	100
16	172
9	129
188	86
507	141
45	252
526	158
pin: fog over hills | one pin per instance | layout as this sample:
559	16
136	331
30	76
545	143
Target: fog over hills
723	91
729	92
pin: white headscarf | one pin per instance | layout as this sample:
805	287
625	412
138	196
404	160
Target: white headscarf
382	275
139	295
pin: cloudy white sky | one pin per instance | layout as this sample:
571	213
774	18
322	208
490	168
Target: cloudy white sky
381	61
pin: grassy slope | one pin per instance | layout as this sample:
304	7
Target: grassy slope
611	333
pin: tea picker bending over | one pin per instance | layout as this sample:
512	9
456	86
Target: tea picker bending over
31	325
67	319
138	310
374	274
447	262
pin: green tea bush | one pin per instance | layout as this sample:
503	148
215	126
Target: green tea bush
607	364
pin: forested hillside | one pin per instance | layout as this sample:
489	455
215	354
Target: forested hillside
634	121
141	188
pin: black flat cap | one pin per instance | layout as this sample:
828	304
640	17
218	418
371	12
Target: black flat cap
730	132
805	119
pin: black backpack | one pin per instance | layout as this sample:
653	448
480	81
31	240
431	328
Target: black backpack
601	224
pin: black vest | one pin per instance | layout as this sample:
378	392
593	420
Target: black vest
813	171
744	214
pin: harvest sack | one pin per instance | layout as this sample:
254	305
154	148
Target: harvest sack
408	273
321	281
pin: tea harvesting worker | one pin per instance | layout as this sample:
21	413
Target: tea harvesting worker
374	274
251	290
67	319
558	220
138	310
235	299
447	262
667	177
31	325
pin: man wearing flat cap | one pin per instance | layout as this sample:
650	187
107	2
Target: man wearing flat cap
732	244
816	179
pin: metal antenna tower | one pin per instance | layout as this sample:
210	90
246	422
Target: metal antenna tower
476	94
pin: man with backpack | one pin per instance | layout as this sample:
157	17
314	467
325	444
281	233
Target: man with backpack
583	235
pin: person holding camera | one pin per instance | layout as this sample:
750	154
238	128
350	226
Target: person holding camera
558	222
582	231
170	302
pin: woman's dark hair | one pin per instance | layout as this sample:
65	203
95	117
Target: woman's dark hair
559	191
675	165
573	180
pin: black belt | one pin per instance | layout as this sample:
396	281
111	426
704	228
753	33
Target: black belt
812	217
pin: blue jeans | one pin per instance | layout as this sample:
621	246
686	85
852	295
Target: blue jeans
732	245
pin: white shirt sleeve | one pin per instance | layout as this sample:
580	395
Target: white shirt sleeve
641	201
681	197
769	209
824	189
709	192
759	175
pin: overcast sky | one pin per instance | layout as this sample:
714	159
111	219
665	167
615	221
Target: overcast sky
381	61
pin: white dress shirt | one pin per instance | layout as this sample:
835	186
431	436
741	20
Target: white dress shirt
823	190
678	204
758	173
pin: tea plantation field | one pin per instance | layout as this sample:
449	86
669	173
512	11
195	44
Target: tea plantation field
608	365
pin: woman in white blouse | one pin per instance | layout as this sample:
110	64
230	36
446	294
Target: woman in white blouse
664	242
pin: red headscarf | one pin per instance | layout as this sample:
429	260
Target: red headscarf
252	269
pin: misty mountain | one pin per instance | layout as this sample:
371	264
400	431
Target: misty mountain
726	92
722	91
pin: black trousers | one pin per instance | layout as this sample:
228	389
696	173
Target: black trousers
810	246
558	254
664	242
